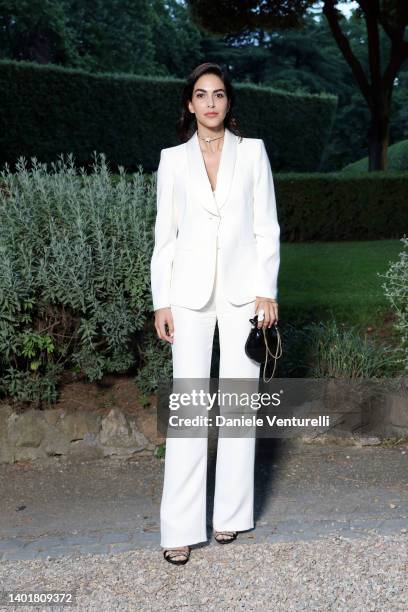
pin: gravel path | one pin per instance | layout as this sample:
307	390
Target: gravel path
331	534
367	574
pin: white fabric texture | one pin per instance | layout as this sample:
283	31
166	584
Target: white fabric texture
192	220
183	504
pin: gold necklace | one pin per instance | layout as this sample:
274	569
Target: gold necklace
210	139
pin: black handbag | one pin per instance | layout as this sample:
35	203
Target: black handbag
262	342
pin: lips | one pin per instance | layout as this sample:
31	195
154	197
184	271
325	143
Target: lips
211	114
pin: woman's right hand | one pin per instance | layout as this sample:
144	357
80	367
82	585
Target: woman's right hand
163	322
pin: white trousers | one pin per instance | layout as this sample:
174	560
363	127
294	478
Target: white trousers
183	504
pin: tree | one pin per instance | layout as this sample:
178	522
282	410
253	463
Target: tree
34	30
154	37
113	35
177	40
376	84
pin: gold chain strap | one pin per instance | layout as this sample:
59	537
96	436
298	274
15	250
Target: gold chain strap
276	357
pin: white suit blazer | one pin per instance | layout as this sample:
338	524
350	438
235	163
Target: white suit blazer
192	221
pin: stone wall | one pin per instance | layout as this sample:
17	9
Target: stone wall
38	434
81	433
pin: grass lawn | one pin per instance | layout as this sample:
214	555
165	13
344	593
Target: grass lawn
317	279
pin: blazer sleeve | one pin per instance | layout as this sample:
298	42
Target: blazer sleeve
165	231
266	228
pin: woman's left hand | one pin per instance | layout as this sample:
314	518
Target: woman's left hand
270	308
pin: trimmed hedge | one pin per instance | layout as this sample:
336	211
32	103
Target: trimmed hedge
397	157
339	206
46	110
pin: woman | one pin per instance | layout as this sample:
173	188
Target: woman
216	259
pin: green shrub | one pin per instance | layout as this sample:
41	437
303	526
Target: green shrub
75	255
341	352
156	362
396	291
326	349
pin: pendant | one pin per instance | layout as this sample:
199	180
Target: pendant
207	139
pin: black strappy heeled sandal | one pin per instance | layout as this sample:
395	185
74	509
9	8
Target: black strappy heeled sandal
231	536
169	553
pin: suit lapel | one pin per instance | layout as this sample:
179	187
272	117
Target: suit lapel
200	184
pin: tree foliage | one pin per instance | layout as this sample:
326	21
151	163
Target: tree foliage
290	45
385	19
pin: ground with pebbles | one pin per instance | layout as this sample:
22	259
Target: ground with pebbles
367	574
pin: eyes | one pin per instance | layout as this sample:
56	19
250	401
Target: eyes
220	94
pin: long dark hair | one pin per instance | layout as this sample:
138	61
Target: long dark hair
187	123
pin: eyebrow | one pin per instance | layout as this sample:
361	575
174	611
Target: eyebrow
200	89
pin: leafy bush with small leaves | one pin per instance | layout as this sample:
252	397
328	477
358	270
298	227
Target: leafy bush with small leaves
396	291
157	363
75	252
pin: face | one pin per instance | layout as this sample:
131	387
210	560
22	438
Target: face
209	96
